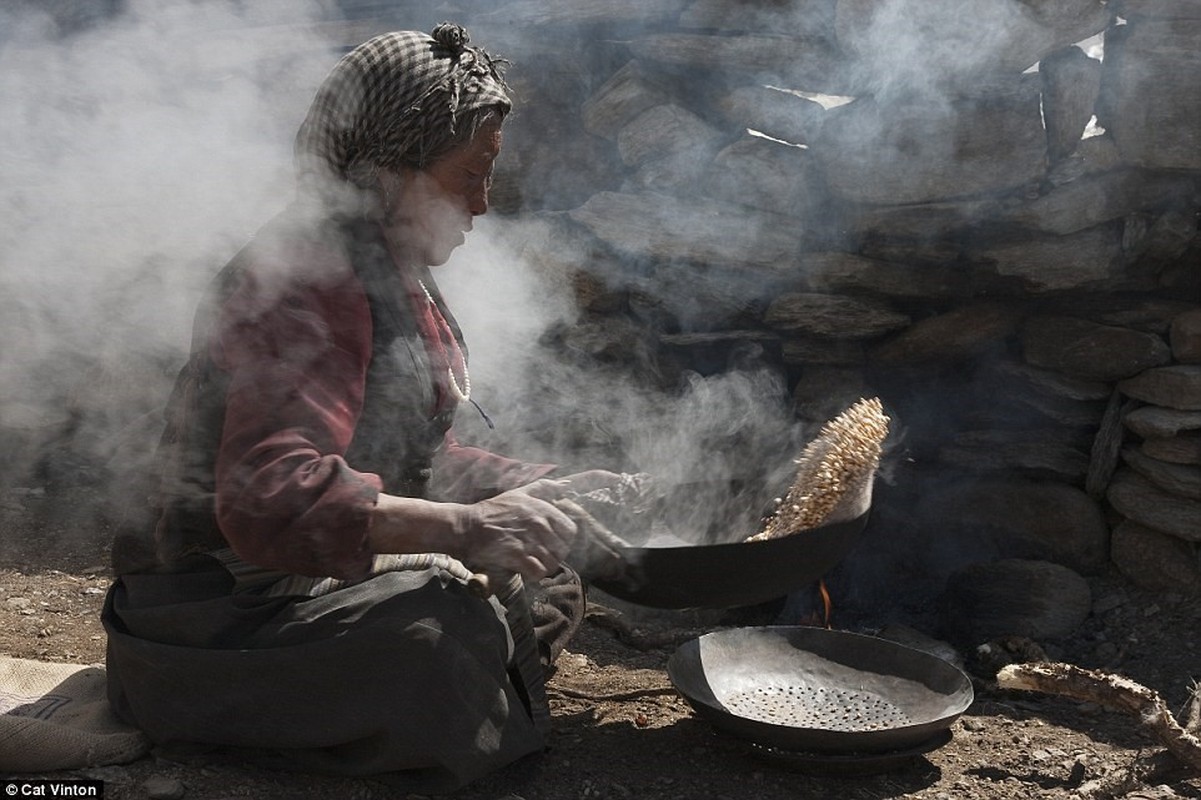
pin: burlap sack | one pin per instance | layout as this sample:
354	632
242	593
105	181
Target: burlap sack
57	716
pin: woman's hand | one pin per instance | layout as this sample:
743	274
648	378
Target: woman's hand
520	531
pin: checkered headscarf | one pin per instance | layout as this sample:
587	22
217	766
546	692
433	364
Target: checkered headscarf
399	99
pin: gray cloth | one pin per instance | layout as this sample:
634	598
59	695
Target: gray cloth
405	673
395	101
57	716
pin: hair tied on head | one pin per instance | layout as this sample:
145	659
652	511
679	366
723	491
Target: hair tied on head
451	36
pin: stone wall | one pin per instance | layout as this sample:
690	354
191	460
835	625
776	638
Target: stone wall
984	213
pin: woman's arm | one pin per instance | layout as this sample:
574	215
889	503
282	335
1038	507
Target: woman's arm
519	530
285	497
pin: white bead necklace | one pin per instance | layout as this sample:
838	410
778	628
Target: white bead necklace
463	393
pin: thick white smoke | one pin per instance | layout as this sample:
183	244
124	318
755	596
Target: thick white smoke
136	155
141	151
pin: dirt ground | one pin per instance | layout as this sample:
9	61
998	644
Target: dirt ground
620	729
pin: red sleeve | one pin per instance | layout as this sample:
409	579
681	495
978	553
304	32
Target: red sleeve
467	474
297	360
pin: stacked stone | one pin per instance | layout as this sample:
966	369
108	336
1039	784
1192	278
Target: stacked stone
884	199
1157	490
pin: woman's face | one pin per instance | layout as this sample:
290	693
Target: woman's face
431	210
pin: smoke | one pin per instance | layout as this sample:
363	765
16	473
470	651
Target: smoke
717	445
936	46
137	153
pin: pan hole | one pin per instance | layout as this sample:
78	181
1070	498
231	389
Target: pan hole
817	707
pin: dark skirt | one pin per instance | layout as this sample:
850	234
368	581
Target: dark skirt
405	672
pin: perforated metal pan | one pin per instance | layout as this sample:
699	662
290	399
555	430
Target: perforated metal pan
819	691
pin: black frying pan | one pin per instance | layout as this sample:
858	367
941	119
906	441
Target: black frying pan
814	690
731	574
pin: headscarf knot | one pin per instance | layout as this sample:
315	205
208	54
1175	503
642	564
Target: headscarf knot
451	36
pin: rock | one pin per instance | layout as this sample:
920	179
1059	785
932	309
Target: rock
833	315
721	349
1155	560
1092	155
1095	199
824	392
1162	9
765	174
838	272
667	131
939	43
808	64
787	115
1185	337
536	13
1057	409
1044	263
920	149
1088	350
920	221
799	17
695	299
158	787
1143	313
592	293
1140	500
649	225
1105	453
922	252
1052	383
1006	451
1149	92
992	401
604	341
821	350
1071	20
1017	519
715	337
113	773
553	164
1122	309
989	658
1183	480
1177	386
1071	81
1159	245
952	337
1182	449
669	147
1152	422
1014	597
628	93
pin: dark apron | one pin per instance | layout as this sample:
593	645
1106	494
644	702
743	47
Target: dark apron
406	672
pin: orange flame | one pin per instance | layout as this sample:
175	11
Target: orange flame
816	618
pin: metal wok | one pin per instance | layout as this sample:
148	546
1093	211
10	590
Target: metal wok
819	691
731	574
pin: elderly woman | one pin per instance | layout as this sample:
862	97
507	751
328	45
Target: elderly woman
313	589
